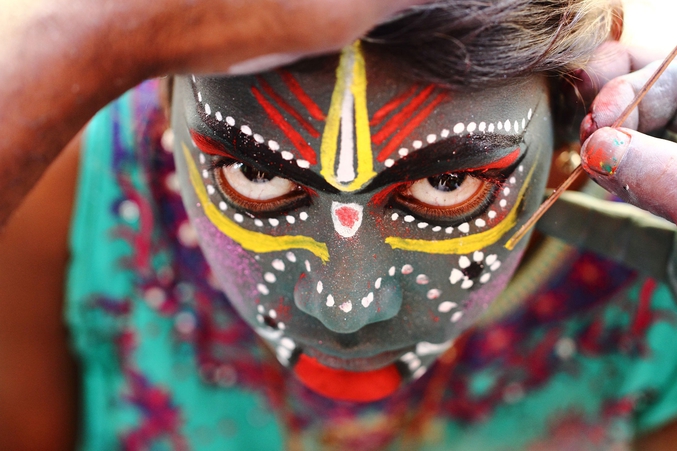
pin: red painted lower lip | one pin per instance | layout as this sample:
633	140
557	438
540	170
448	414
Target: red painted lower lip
344	385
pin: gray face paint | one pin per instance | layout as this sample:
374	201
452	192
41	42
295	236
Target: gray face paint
358	229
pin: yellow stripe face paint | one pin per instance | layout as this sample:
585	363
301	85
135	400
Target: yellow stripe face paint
249	240
346	136
465	244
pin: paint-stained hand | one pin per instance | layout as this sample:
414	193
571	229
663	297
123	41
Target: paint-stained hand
638	168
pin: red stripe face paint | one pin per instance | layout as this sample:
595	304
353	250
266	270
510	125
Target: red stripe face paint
354	219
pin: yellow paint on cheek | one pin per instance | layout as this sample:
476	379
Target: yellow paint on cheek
465	244
250	240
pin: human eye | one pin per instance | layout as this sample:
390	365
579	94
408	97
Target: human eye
256	191
448	198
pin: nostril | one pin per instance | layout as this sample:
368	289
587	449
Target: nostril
347	341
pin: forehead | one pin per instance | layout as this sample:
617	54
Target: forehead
351	116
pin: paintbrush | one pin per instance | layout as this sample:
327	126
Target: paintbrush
512	242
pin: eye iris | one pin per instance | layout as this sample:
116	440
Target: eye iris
254	175
447	182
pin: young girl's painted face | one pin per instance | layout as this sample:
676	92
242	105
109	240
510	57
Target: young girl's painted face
357	221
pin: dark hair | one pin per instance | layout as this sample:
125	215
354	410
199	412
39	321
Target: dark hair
471	42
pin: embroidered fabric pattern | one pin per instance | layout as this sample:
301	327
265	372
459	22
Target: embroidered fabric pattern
180	349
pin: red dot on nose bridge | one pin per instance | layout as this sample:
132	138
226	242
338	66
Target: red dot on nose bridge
347	216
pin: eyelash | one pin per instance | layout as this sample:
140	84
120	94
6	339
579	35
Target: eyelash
397	197
300	196
492	182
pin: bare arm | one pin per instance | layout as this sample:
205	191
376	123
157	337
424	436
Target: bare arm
38	392
62	60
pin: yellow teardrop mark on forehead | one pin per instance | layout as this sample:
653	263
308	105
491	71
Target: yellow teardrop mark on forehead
470	243
249	240
346	136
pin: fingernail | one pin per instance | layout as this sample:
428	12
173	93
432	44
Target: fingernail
263	63
604	151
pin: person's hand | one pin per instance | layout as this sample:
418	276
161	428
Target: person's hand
636	167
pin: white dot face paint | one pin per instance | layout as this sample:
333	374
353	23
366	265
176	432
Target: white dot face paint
333	260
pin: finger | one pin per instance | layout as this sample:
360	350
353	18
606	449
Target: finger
610	60
615	230
637	168
655	111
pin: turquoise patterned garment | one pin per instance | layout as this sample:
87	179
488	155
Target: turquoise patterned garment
585	363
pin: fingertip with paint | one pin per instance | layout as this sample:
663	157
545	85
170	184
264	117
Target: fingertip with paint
603	152
588	127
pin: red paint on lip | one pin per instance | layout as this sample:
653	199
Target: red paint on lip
343	385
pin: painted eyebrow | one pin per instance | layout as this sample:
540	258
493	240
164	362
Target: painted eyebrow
244	148
458	153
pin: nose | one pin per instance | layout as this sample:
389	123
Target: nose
356	287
